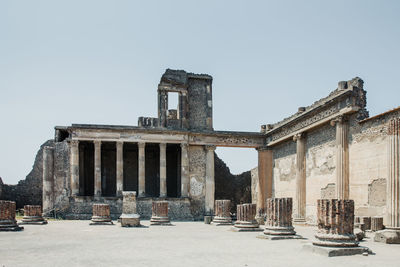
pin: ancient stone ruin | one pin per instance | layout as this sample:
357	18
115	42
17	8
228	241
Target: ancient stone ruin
246	218
101	214
33	215
7	216
222	212
160	213
129	217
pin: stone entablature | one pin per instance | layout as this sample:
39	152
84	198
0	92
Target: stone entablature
347	99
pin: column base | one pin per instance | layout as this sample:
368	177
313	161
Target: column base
335	240
279	231
299	221
101	220
243	226
38	220
7	226
155	220
388	236
221	221
335	251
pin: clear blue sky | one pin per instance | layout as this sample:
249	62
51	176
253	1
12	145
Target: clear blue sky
64	62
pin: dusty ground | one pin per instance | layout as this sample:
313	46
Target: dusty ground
75	243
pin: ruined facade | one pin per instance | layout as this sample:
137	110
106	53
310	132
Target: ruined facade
170	157
331	149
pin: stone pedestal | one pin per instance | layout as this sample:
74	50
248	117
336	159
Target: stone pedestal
222	212
101	214
279	219
246	221
129	217
376	223
159	215
7	216
33	215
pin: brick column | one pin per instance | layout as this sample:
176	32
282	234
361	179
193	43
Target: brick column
97	168
265	168
279	217
142	173
335	223
300	215
222	212
74	167
159	213
48	179
7	216
33	215
210	180
184	170
342	157
163	170
120	168
246	218
101	214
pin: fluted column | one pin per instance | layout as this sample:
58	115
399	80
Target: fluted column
184	170
163	169
74	167
142	173
300	215
120	168
342	157
393	183
210	180
265	161
97	168
48	179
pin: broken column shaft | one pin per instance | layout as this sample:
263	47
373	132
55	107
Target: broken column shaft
7	216
159	214
246	221
33	215
101	214
279	217
222	212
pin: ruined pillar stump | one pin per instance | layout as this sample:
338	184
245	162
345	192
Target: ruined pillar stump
246	221
376	223
33	215
101	214
129	217
279	219
367	222
335	235
159	214
222	212
7	216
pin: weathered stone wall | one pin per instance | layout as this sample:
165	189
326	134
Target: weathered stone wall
199	105
197	174
29	190
236	188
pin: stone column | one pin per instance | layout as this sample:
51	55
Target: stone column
184	170
163	170
265	169
342	157
222	212
7	216
33	215
142	170
97	168
74	167
279	217
159	216
246	218
335	220
101	214
392	234
120	168
48	179
210	180
300	215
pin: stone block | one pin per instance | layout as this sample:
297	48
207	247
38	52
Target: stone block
388	236
335	251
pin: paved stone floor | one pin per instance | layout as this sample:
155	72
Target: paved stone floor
75	243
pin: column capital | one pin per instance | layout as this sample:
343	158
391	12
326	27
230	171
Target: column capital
184	145
163	145
97	142
210	147
299	136
141	144
339	119
119	143
74	142
263	148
